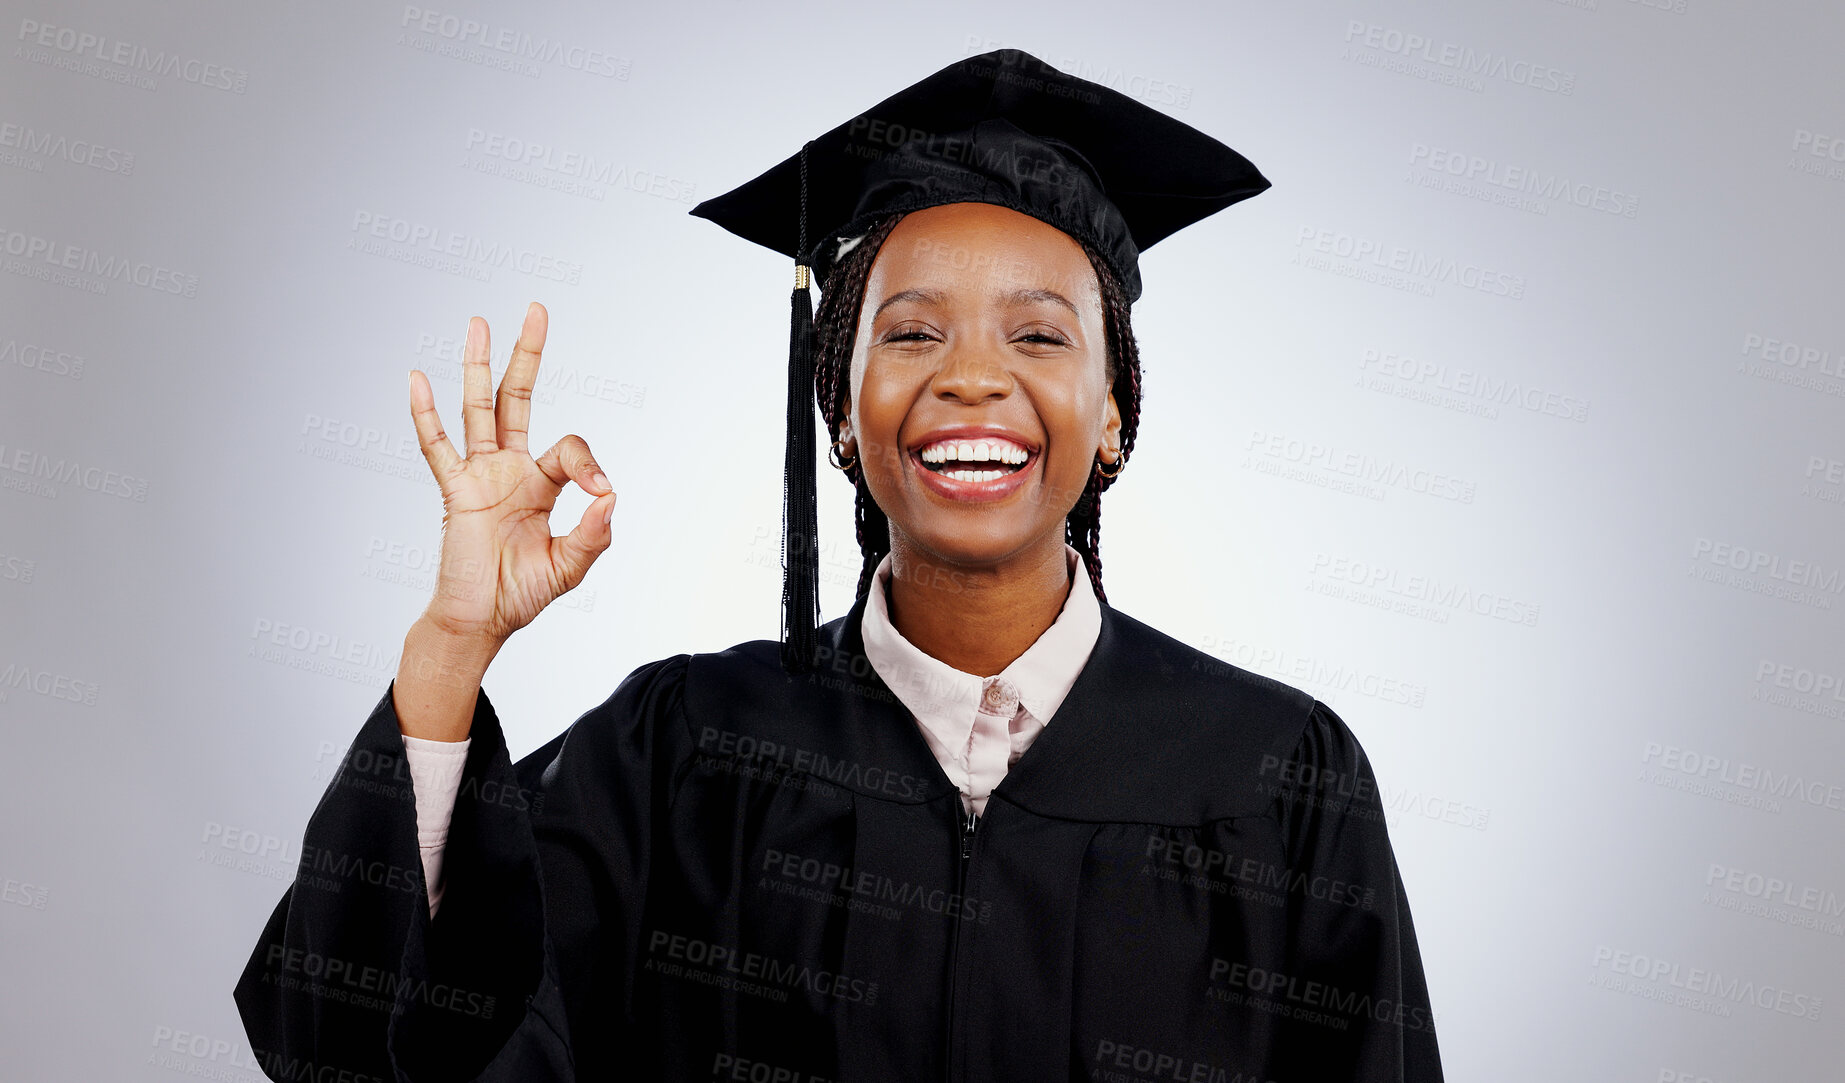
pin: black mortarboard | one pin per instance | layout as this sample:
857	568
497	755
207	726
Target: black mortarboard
1004	128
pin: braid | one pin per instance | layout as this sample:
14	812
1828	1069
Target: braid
842	296
1083	526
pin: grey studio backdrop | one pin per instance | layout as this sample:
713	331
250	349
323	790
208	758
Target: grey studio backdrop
1507	423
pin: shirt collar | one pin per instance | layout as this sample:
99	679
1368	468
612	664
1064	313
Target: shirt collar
932	689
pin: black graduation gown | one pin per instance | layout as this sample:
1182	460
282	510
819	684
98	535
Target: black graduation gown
723	872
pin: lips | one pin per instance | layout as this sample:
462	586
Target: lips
972	463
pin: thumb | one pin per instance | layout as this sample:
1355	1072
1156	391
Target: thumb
572	554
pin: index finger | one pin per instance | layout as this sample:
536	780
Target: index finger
515	402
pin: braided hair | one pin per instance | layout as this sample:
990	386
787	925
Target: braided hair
842	296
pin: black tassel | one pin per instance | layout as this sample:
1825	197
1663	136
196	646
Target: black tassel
800	508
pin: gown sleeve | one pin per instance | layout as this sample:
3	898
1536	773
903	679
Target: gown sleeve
1362	1010
545	872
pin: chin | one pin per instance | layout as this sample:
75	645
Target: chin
974	544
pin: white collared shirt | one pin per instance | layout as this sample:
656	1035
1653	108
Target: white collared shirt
978	727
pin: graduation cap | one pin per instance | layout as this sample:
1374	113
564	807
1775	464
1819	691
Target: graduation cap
1005	128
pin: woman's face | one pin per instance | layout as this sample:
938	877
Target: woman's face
981	325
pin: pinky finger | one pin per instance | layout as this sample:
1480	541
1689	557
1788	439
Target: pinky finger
439	453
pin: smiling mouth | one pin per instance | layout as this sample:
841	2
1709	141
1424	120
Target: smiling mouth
973	460
974	471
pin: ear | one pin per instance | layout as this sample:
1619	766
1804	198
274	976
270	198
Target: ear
845	425
1109	450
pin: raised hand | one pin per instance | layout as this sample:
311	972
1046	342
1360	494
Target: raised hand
500	564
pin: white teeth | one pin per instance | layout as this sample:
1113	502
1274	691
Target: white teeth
974	475
974	451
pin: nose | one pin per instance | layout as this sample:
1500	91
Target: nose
972	374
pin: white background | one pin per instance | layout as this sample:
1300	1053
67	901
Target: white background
1379	398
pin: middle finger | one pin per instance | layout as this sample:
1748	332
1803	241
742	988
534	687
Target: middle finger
515	404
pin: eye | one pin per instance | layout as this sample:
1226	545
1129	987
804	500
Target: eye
1041	337
909	334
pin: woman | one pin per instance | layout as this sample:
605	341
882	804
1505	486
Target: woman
982	827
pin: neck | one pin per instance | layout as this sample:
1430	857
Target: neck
978	619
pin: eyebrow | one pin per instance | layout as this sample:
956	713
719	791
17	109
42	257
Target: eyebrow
1013	299
927	297
1026	297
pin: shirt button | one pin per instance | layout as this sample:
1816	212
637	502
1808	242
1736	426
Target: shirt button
1000	697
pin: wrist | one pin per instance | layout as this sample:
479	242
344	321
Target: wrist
433	653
